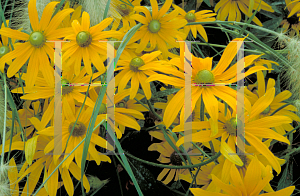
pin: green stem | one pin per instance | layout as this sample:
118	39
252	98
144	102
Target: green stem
152	110
142	104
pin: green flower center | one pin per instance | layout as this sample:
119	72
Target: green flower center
84	38
3	51
102	109
136	63
154	26
267	110
204	76
79	129
37	39
65	87
190	17
232	125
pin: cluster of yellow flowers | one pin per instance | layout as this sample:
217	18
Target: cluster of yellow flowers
148	56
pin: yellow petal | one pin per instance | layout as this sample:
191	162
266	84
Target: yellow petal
30	147
33	15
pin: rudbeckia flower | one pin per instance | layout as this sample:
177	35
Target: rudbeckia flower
28	118
47	162
255	130
122	11
191	16
137	68
69	93
84	44
78	134
291	23
202	73
5	46
203	177
158	27
169	156
13	188
221	169
231	9
252	184
273	103
36	49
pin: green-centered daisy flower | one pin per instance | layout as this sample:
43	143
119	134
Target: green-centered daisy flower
36	49
158	27
255	130
76	136
191	16
84	45
69	93
203	73
122	11
136	69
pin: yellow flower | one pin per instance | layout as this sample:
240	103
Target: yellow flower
137	68
273	103
202	73
35	49
169	156
252	184
158	27
84	44
48	162
13	175
122	11
203	177
231	8
291	23
70	94
78	134
26	118
191	16
254	131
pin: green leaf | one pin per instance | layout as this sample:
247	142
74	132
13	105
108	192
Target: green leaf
191	5
286	179
106	9
143	176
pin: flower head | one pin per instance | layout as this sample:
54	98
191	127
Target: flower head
36	49
158	27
